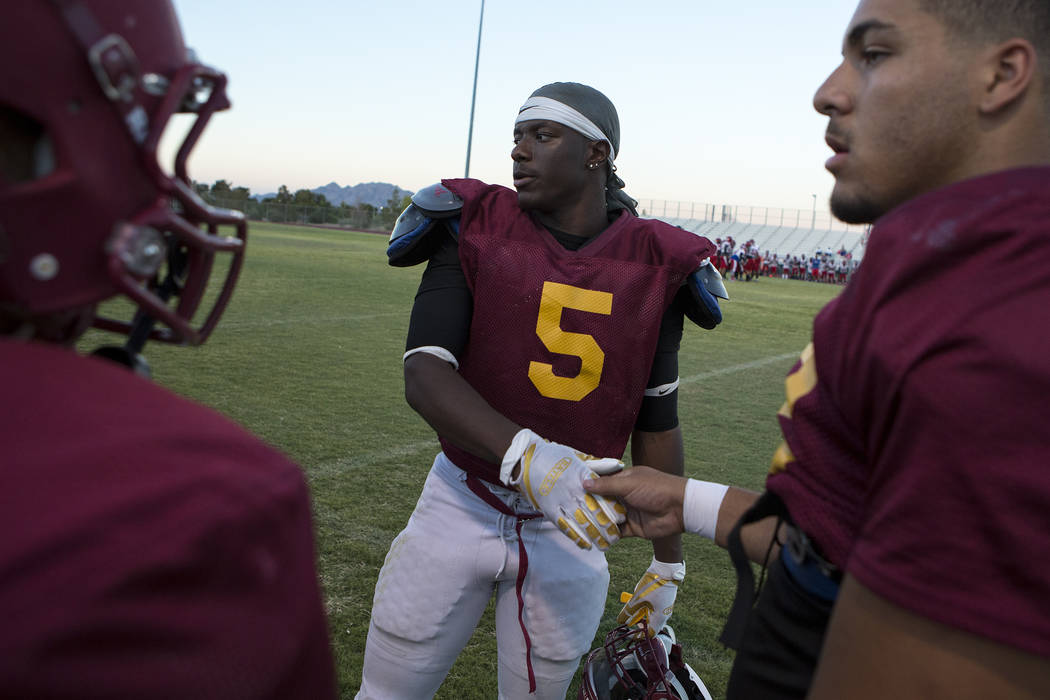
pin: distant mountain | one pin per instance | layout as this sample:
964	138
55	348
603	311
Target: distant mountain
375	193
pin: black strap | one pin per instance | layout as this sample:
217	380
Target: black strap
767	505
113	62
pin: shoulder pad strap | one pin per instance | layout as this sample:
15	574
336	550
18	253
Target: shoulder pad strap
701	305
437	201
416	235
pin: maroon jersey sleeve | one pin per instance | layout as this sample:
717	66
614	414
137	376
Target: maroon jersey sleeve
916	445
152	548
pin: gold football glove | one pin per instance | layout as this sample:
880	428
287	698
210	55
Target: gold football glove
551	478
653	597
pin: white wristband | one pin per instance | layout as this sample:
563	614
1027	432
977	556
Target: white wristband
700	507
517	448
670	571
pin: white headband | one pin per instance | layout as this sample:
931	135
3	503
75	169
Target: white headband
546	108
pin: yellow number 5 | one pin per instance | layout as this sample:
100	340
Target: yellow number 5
548	327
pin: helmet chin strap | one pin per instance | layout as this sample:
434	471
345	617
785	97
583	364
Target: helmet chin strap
114	65
122	356
130	354
113	62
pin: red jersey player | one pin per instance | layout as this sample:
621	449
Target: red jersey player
912	476
152	548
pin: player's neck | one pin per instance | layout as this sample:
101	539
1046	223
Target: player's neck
585	219
1019	140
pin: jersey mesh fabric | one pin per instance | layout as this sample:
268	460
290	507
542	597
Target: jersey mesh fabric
151	547
509	260
442	310
921	452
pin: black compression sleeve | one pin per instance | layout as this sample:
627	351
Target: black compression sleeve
442	309
659	413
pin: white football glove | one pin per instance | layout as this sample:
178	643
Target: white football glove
653	597
551	478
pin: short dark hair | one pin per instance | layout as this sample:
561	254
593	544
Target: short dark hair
990	21
995	20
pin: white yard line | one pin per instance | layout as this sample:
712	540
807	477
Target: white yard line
372	459
732	369
306	319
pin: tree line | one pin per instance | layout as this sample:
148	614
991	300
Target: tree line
304	206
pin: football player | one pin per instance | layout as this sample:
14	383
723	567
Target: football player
912	479
545	331
151	547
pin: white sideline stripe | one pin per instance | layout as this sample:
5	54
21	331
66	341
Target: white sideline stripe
740	368
305	320
372	459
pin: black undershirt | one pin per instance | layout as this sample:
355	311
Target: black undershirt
443	306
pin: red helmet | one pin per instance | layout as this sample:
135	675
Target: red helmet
87	88
632	665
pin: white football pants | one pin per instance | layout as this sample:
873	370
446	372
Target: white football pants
439	574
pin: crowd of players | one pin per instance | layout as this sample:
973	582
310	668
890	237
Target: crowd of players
746	262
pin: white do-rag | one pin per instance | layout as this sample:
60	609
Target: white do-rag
552	110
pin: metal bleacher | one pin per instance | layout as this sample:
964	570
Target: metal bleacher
781	231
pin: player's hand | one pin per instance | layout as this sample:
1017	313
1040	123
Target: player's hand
551	477
653	597
653	499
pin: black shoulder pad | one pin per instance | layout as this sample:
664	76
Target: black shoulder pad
416	235
701	305
437	201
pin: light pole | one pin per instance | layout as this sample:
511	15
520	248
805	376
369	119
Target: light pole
474	94
813	223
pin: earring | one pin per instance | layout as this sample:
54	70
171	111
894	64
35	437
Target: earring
592	166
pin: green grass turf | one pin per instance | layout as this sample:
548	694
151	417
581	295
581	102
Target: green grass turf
308	356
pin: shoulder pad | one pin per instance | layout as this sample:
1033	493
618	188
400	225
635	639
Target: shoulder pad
416	235
708	275
704	285
437	201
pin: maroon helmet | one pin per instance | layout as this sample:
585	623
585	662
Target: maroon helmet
631	665
87	88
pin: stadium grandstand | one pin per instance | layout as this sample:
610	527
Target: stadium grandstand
784	232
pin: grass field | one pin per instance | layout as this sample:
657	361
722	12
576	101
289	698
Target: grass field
308	356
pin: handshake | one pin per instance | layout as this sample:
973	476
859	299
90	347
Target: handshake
551	477
564	485
585	497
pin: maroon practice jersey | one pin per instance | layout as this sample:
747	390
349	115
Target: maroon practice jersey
562	341
917	449
151	548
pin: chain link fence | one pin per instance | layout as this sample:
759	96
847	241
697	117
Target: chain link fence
368	218
351	218
744	214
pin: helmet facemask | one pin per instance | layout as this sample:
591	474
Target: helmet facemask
631	665
103	218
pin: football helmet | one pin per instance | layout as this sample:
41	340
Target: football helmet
87	89
632	665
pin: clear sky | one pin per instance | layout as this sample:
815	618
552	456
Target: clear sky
714	98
